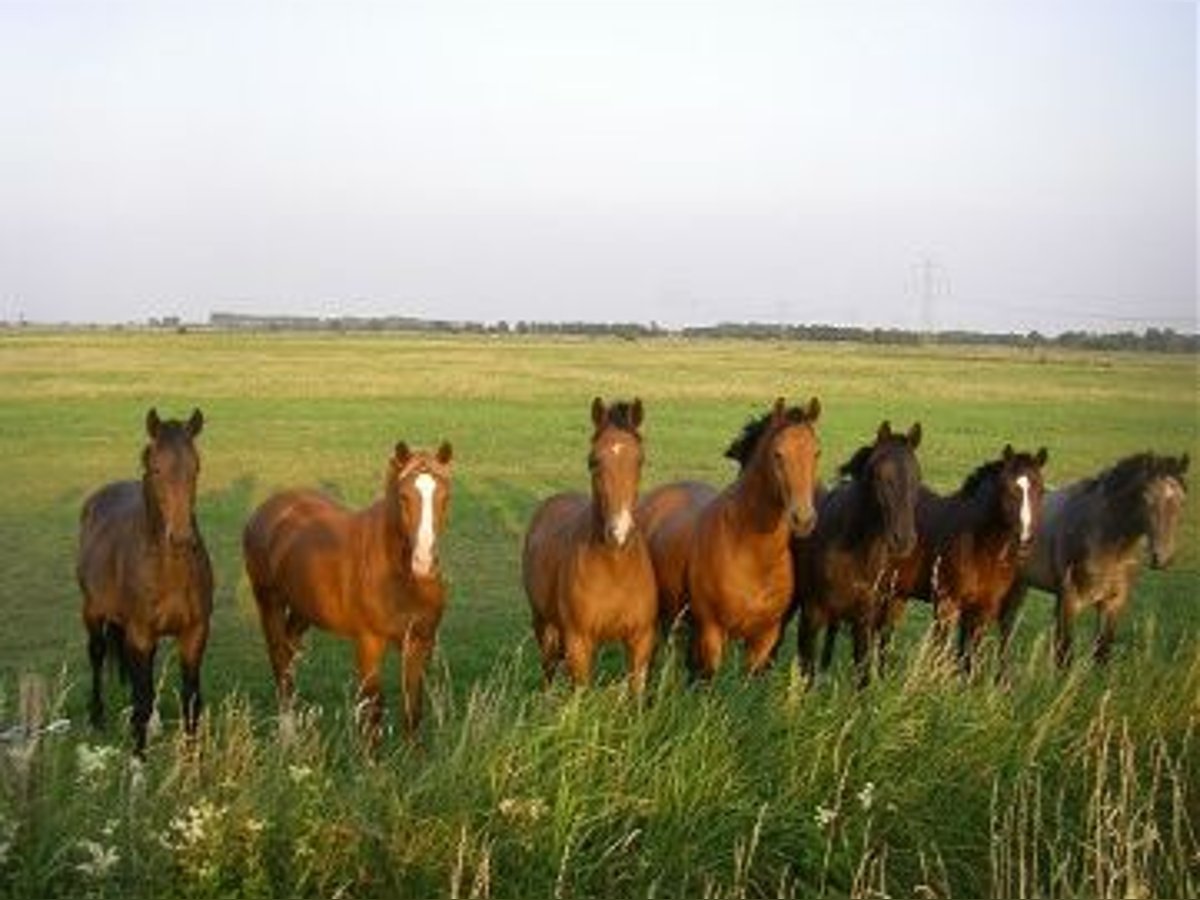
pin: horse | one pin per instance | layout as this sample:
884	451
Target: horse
844	569
144	572
969	549
585	565
1088	550
371	575
723	557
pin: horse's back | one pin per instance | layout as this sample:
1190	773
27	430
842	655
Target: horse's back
667	517
288	522
107	524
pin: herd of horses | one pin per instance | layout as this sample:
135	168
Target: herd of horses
612	565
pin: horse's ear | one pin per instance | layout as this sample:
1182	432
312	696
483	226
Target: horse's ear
1041	457
1007	453
153	422
779	410
403	454
445	453
914	435
814	409
196	423
637	412
599	413
884	432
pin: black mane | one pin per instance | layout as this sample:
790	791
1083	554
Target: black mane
1133	473
856	466
743	446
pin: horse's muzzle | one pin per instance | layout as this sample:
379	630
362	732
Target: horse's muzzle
802	522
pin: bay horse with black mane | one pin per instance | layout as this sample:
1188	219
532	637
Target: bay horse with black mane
970	546
724	557
585	566
1088	550
370	575
144	572
845	568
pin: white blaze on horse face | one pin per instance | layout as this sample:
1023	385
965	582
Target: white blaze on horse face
422	561
621	526
1026	508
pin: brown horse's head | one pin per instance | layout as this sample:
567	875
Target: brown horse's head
1021	489
418	492
1164	496
170	467
891	473
784	444
615	461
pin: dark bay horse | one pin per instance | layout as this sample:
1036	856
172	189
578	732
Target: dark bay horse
845	568
372	576
1088	550
724	556
969	548
144	571
585	565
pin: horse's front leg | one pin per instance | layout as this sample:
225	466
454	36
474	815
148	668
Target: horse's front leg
864	649
1108	610
191	652
760	647
368	655
639	650
97	648
140	657
415	651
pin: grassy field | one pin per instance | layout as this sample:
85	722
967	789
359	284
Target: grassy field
1084	783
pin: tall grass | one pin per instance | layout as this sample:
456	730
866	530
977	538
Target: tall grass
1063	785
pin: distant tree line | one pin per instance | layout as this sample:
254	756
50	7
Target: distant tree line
1159	340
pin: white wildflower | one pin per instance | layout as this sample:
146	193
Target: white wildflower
825	816
92	762
299	774
99	861
193	826
867	795
527	809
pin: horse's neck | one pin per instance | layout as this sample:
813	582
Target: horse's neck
979	515
1116	525
382	535
754	503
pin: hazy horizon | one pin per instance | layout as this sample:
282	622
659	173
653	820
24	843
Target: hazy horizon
996	167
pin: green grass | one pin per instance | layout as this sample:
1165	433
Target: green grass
1086	783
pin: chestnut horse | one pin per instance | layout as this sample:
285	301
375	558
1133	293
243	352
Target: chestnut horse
845	569
585	566
372	576
1087	552
724	556
969	549
144	572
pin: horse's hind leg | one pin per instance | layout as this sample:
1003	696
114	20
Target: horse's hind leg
549	640
282	639
827	649
97	646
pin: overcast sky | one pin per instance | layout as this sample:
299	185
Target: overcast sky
670	161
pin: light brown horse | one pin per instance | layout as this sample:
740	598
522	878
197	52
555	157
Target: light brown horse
144	572
586	568
372	576
1089	547
724	556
